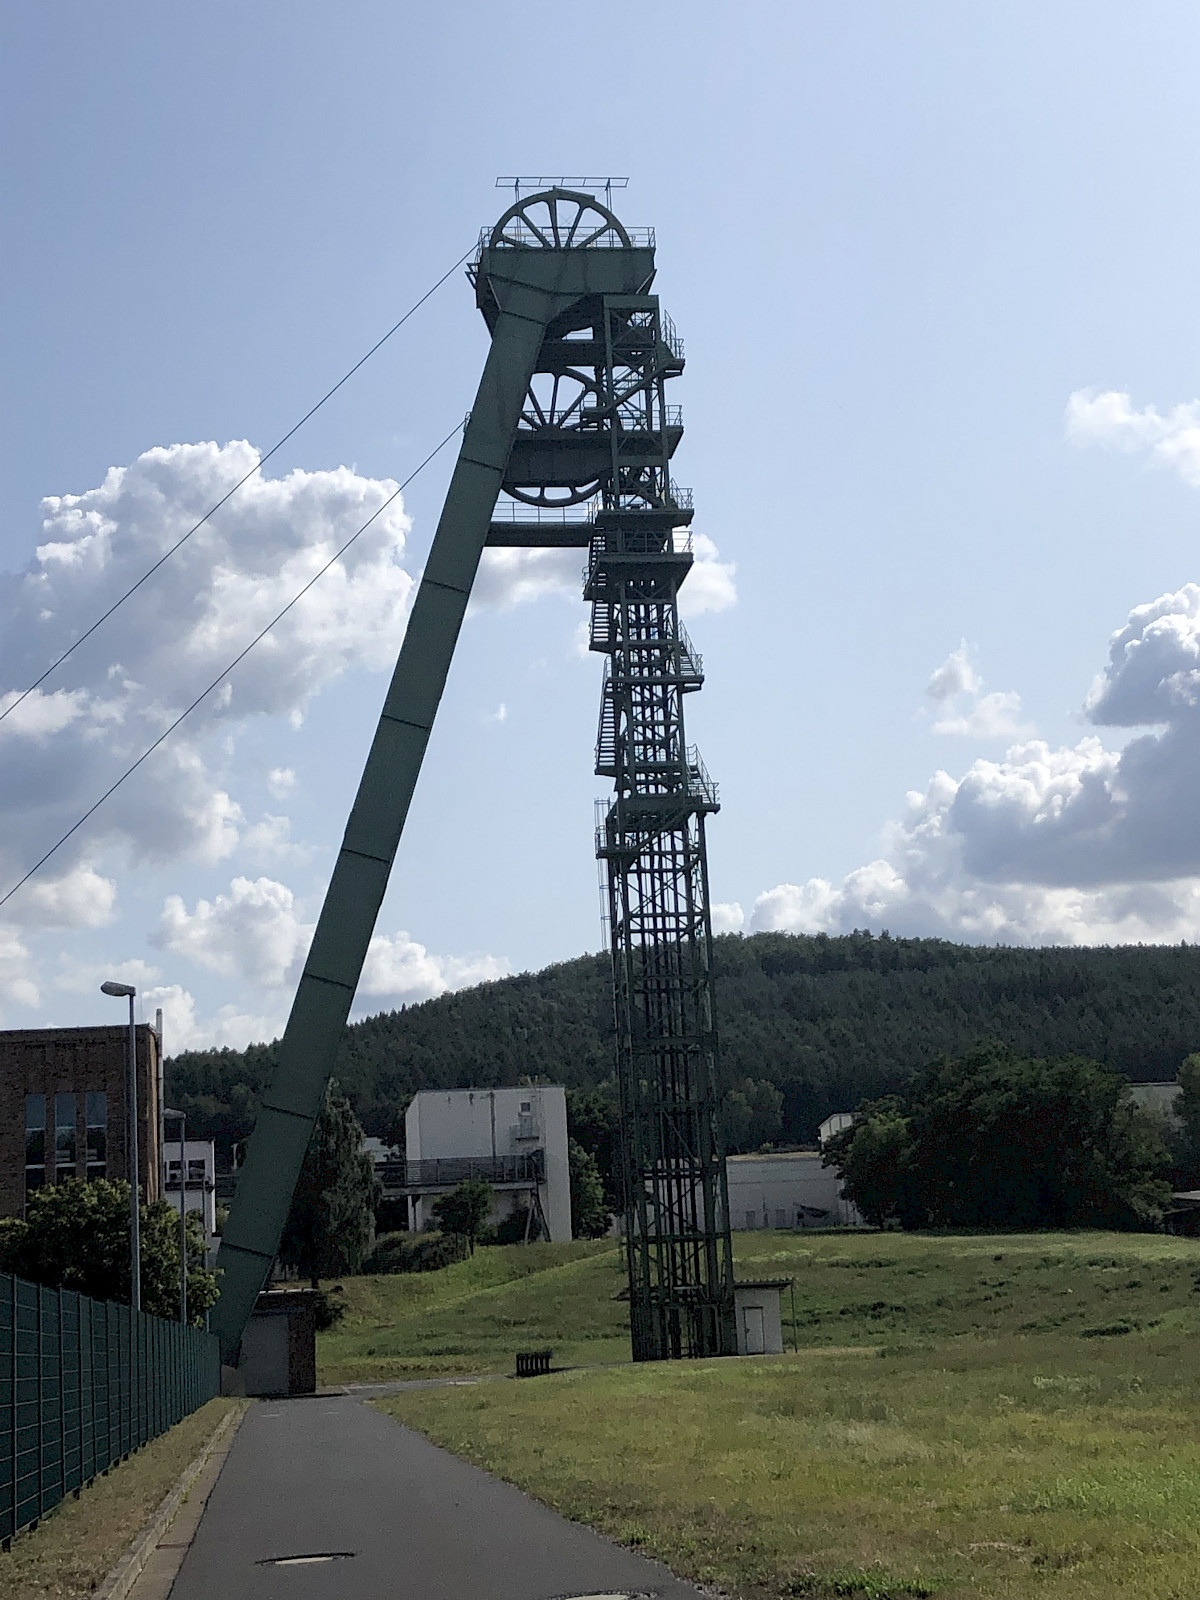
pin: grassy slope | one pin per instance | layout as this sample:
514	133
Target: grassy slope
473	1316
1000	1417
851	1289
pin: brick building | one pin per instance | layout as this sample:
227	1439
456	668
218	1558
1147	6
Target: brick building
62	1109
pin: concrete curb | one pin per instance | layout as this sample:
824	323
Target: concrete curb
127	1571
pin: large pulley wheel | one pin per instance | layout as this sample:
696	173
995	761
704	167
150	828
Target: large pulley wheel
558	219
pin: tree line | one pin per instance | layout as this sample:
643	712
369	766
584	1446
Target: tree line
808	1025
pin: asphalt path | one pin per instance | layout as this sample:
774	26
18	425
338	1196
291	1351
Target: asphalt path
311	1479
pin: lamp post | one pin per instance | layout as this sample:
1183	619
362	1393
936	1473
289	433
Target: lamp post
167	1112
120	991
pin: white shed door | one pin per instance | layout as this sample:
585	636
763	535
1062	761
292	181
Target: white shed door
752	1330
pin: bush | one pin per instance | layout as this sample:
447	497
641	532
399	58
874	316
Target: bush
329	1311
415	1252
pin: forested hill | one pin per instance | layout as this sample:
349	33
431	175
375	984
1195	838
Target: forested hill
808	1025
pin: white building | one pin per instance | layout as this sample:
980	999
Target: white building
786	1190
514	1139
200	1182
832	1125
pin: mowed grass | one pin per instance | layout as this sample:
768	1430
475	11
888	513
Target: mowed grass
1005	1416
1046	1465
851	1289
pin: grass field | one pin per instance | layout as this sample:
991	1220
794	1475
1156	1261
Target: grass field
987	1417
851	1289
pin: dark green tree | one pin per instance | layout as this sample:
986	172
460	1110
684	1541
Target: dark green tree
329	1230
465	1210
1186	1138
1001	1140
75	1235
594	1121
590	1217
873	1158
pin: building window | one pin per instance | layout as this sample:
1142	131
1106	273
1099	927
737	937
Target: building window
35	1142
64	1137
96	1107
195	1171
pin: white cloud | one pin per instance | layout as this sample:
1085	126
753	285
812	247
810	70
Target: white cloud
727	917
710	584
85	977
402	971
1109	418
1075	844
252	933
956	687
18	986
228	1026
62	747
280	782
993	716
956	675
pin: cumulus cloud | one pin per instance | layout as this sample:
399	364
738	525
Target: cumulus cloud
402	971
727	917
63	746
1075	844
255	933
1109	418
230	1025
252	933
956	675
956	688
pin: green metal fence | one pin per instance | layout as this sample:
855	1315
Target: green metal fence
82	1383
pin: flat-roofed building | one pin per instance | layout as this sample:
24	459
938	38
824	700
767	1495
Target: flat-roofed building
62	1109
786	1189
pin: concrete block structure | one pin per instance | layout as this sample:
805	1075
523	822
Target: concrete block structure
786	1189
759	1320
514	1139
63	1109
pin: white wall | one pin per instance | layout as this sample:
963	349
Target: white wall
200	1196
454	1124
769	1191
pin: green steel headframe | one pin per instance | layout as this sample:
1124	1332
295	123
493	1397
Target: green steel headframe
568	423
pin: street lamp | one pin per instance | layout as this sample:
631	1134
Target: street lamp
167	1112
120	991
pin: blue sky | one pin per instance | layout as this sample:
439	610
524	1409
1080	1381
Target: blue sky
951	680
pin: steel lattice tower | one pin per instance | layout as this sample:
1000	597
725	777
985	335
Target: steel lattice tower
651	844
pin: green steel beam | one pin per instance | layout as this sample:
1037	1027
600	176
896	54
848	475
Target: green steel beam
522	286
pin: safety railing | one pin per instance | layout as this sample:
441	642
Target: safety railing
518	236
82	1383
446	1172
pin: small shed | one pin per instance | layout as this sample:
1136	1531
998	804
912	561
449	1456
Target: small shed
279	1346
759	1322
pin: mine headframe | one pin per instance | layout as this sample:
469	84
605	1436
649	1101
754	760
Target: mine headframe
569	443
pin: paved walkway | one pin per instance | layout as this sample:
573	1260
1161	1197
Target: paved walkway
404	1521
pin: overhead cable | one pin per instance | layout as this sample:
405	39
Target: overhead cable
221	676
225	498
